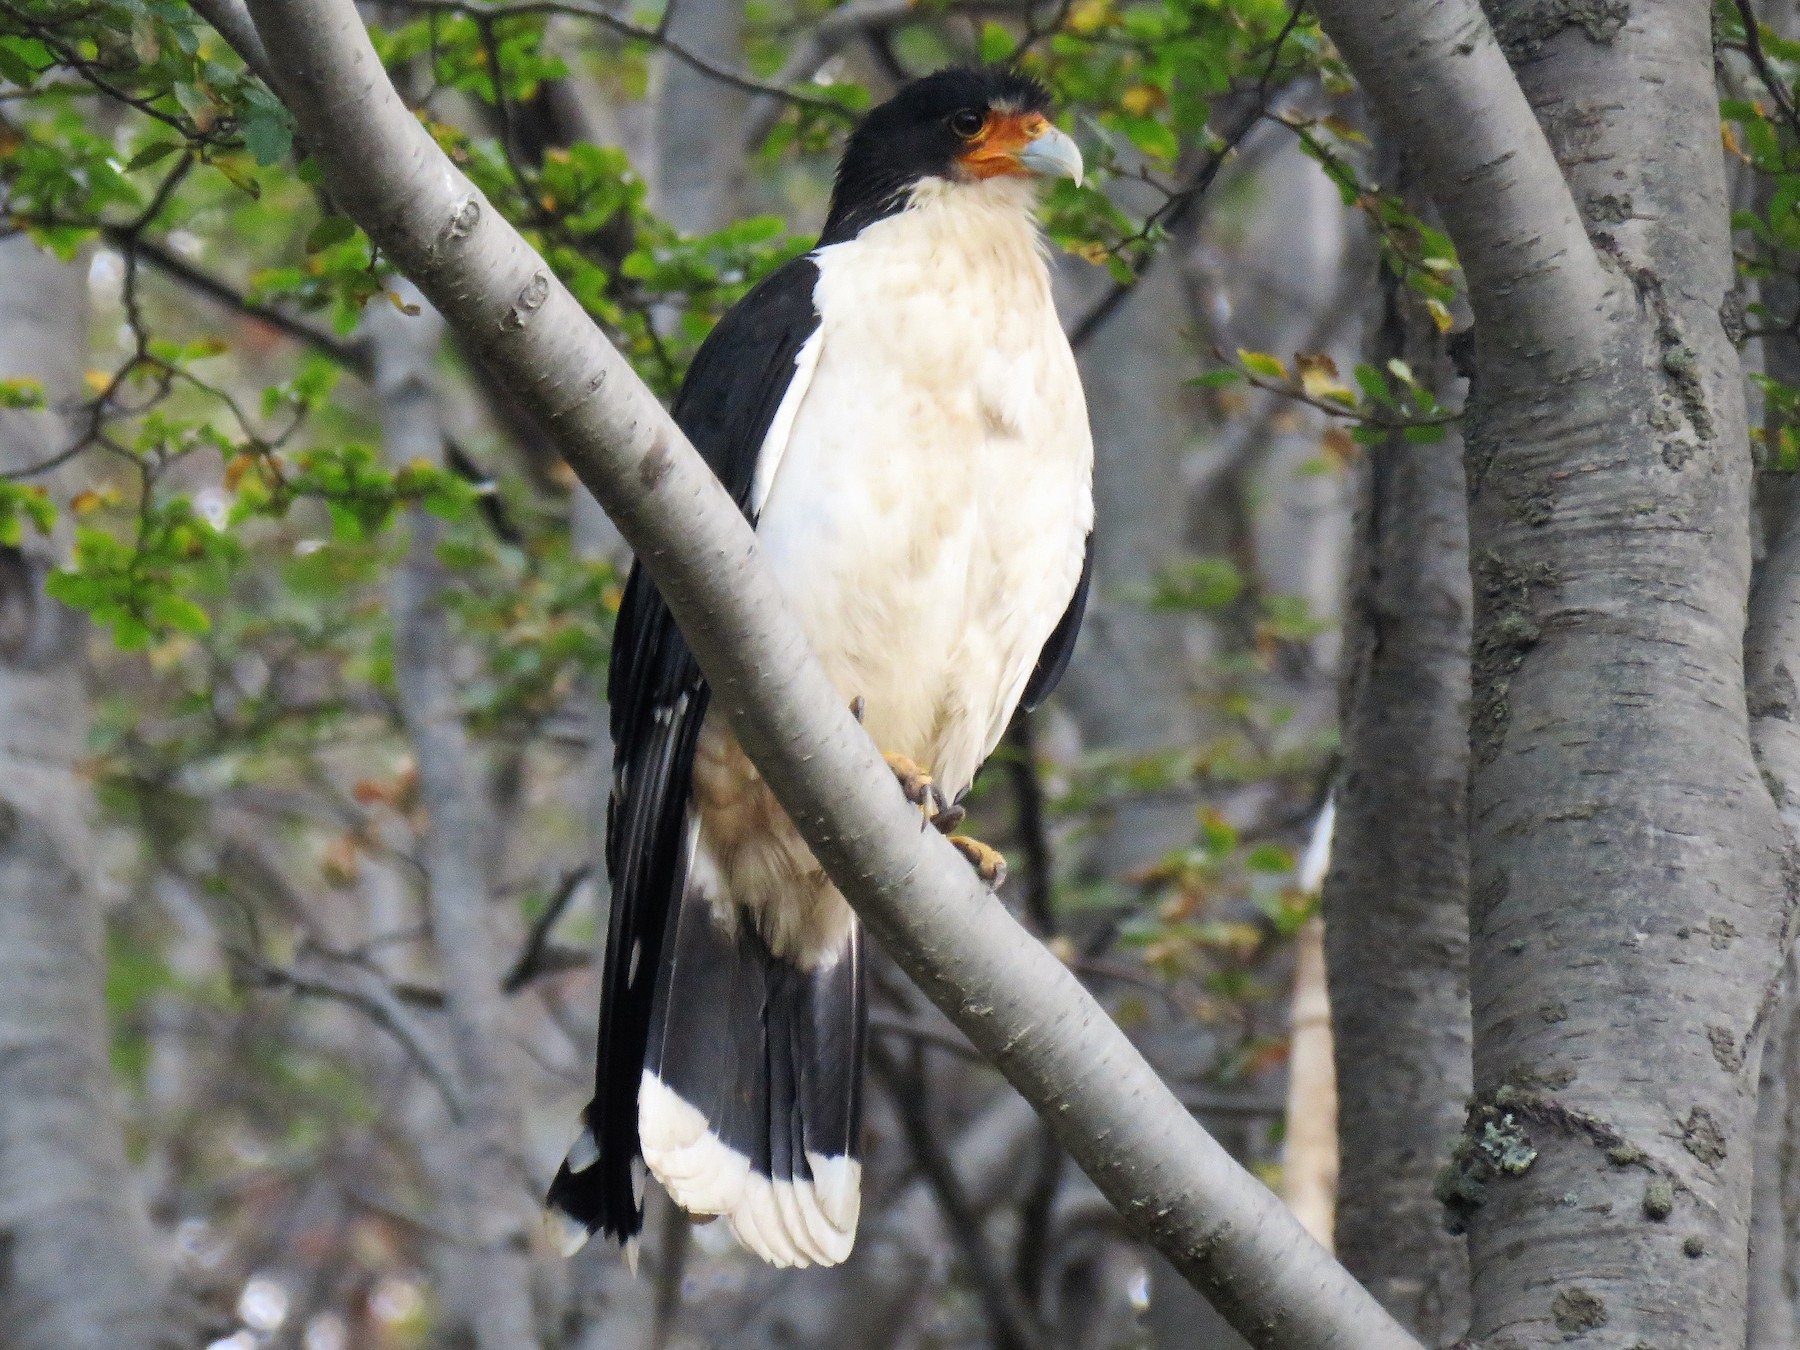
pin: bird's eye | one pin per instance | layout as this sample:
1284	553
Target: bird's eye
967	122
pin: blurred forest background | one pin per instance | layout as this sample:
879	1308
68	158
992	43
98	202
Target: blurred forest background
303	633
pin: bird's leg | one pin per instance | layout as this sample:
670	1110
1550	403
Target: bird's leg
913	780
989	863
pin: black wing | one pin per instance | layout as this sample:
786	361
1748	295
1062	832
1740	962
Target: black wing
658	699
1054	659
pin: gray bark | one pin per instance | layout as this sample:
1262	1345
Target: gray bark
487	1204
1630	891
79	1268
1772	654
700	154
1774	1310
1396	918
1170	1180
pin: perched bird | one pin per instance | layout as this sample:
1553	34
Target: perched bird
899	414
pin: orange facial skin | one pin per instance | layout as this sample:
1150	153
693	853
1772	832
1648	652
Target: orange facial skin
994	150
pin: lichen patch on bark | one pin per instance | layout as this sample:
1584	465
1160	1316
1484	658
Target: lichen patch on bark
1521	29
1577	1310
1503	597
1702	1137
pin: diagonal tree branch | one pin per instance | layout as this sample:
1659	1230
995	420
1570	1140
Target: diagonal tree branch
1173	1183
1430	65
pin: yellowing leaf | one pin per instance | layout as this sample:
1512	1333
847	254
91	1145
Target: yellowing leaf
339	861
1339	446
235	469
1143	99
1344	130
1440	314
1263	364
236	174
1088	15
96	380
1319	378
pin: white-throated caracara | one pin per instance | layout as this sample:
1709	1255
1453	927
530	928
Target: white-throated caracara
899	414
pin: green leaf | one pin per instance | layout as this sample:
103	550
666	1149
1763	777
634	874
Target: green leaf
21	392
1198	583
1374	387
14	67
996	43
1271	858
153	153
178	612
130	633
1154	138
20	503
329	231
268	134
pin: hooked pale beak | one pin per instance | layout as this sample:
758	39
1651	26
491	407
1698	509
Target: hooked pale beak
1053	154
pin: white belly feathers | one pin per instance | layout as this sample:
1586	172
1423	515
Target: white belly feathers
925	494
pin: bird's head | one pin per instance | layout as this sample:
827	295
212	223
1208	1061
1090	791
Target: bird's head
959	126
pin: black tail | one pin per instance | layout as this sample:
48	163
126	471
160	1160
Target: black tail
599	1187
751	1101
741	1071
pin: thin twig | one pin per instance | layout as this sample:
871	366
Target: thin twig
349	355
1033	825
377	1003
533	958
1753	48
1009	1320
923	1035
1031	1254
1179	202
581	9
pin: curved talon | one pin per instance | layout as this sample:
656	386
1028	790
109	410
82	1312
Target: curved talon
946	821
913	780
989	863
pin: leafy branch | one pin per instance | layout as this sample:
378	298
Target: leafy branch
1384	402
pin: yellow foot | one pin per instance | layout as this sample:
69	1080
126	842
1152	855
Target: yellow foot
913	780
989	863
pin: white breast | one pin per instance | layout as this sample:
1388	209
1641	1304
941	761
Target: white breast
925	491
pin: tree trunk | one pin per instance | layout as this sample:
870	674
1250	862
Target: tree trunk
1630	881
487	1205
1396	924
79	1269
1772	656
700	153
1774	1315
